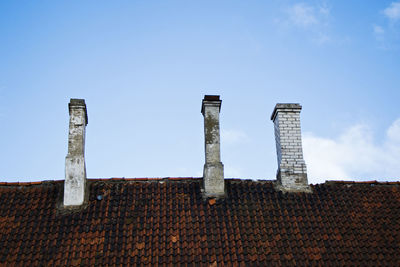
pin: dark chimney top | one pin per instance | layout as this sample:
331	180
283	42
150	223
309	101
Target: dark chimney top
211	98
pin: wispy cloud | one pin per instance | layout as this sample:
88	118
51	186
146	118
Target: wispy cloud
302	15
311	19
379	33
353	155
392	12
378	30
387	33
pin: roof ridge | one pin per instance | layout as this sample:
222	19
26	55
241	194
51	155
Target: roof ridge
328	182
30	183
141	179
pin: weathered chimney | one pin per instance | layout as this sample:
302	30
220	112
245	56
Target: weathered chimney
75	170
213	174
292	171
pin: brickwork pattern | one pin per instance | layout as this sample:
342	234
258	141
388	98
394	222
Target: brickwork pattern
292	170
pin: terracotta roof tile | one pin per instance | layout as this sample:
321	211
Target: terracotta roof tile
150	222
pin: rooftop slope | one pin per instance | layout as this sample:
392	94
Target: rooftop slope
167	222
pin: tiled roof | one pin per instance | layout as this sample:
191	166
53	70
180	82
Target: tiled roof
150	222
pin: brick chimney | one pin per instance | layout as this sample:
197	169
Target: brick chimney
75	170
213	174
292	171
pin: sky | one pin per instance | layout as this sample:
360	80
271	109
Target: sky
143	68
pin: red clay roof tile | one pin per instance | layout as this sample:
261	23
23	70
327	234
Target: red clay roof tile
151	222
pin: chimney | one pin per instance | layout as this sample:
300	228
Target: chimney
292	171
75	170
213	174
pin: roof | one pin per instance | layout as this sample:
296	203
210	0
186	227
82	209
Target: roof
147	222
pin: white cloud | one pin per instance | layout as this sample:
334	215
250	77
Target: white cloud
353	155
379	33
378	30
387	34
393	11
302	14
313	20
231	137
324	10
393	132
308	16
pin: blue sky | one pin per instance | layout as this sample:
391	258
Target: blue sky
143	68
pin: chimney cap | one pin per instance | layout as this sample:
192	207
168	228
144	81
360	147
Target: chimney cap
78	103
214	99
290	106
211	98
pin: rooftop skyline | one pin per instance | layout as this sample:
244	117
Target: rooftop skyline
144	67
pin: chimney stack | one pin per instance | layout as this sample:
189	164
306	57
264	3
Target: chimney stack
292	171
75	170
213	174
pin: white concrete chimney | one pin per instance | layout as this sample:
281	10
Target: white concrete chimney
75	170
292	171
213	174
